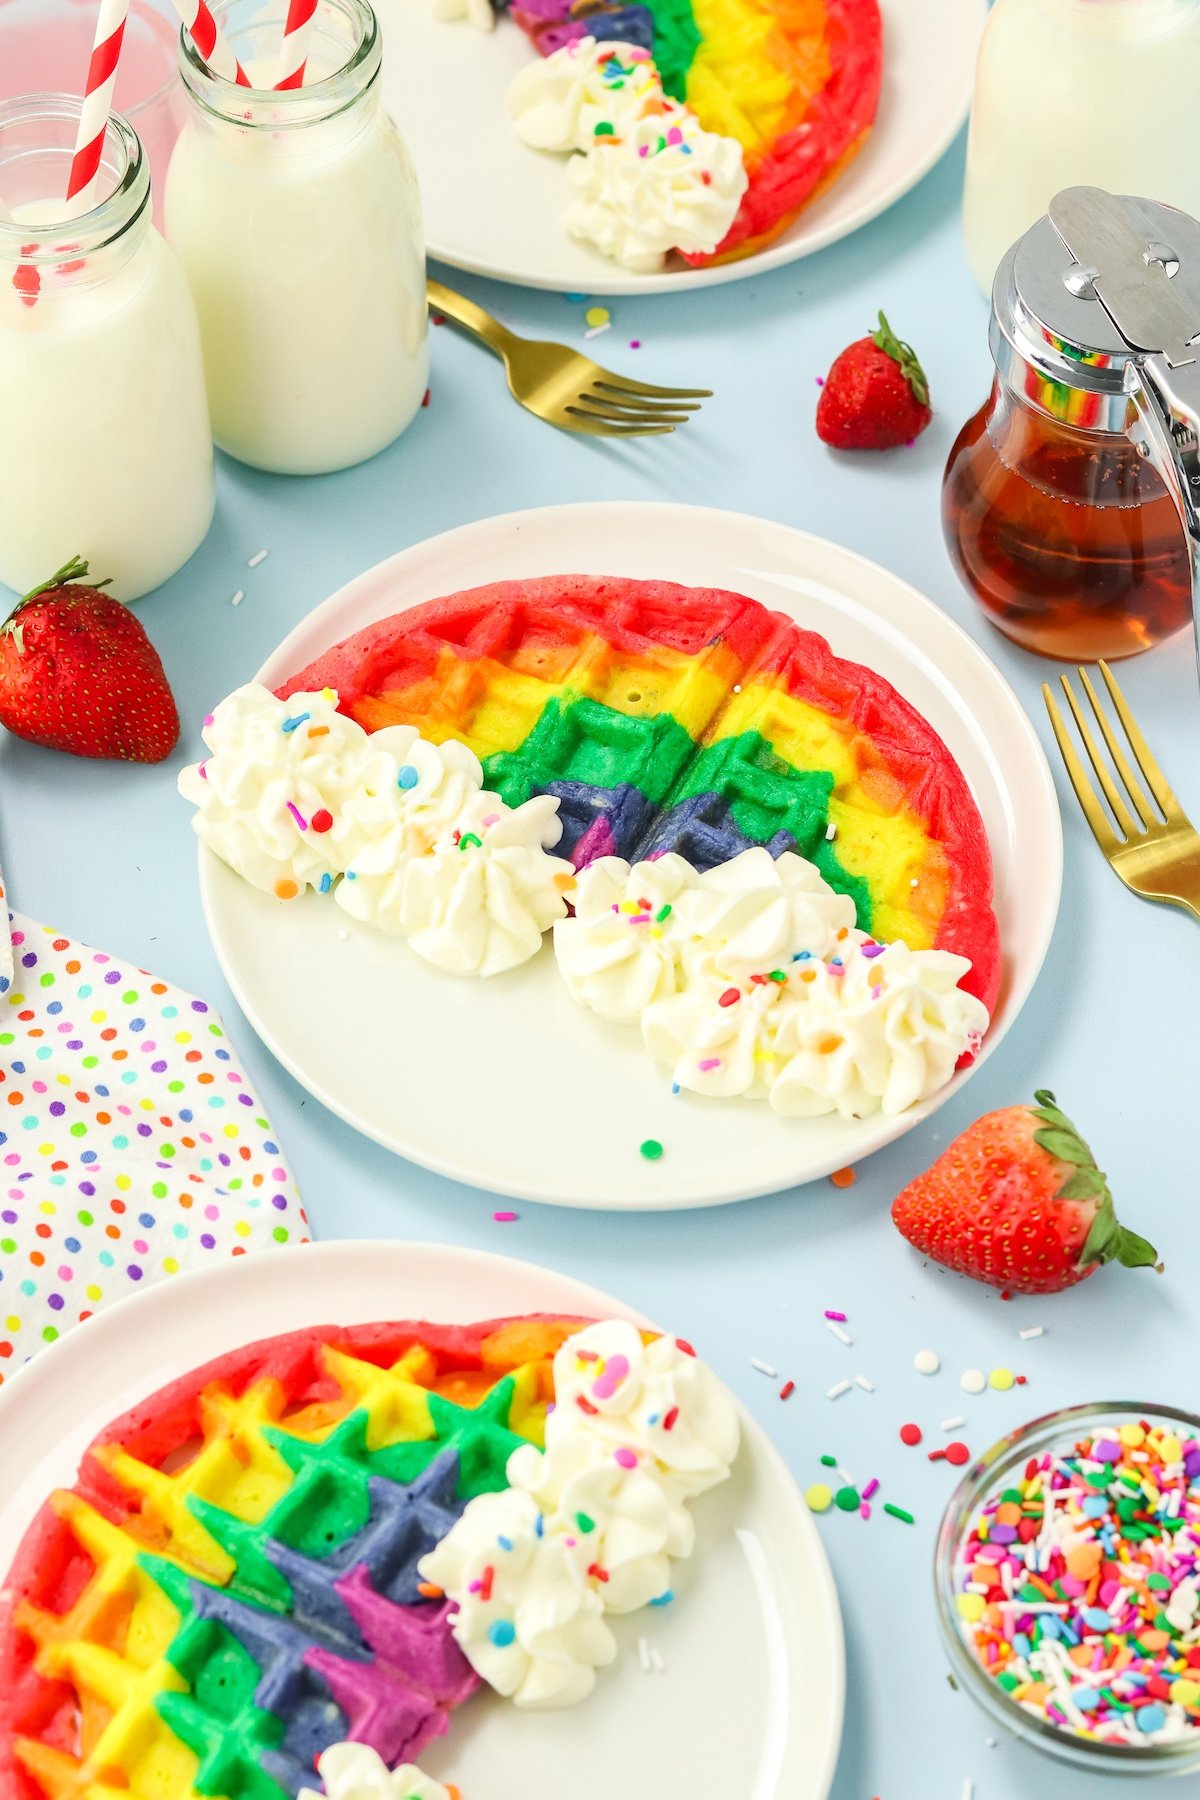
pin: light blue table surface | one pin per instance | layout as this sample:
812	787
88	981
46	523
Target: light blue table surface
106	852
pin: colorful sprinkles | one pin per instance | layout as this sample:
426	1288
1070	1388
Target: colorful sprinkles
1078	1586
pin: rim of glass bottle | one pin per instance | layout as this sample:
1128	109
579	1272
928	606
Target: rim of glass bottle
287	109
126	203
978	1481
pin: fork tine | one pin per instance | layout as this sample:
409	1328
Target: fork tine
635	402
1093	812
591	425
626	385
1132	784
1125	821
1155	780
609	409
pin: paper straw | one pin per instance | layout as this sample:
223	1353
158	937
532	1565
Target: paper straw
97	101
214	48
297	42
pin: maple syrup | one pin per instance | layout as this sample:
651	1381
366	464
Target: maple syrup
1067	537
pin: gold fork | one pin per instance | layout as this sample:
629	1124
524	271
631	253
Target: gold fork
1154	849
567	389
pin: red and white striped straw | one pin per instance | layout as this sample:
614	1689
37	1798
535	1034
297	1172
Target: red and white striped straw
214	48
297	42
97	101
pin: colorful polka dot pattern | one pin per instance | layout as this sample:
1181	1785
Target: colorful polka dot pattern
131	1146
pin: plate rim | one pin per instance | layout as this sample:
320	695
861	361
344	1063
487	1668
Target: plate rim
123	1316
625	283
661	513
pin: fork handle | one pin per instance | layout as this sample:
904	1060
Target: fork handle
472	318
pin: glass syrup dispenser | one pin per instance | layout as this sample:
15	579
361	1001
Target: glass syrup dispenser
1071	501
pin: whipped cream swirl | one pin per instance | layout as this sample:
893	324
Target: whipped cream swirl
276	778
356	1772
590	1525
755	982
479	13
560	102
662	184
476	899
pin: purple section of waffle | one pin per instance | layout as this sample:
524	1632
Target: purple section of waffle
597	841
551	25
610	819
702	831
398	1722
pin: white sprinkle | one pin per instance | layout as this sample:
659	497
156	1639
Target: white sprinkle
972	1381
1031	1331
927	1362
595	330
737	687
953	1424
968	1792
657	1661
868	1387
763	1368
914	882
843	1337
838	1389
260	556
830	833
238	597
990	1743
845	1477
644	1656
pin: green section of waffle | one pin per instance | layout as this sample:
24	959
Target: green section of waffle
676	40
583	740
327	1505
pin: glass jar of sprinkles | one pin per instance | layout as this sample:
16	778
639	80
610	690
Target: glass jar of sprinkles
1067	1577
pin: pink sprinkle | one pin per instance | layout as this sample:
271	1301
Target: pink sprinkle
627	1459
202	771
820	381
710	1062
872	1487
840	1317
643	150
492	819
301	821
865	1509
504	1218
674	136
615	1371
208	718
474	1587
635	343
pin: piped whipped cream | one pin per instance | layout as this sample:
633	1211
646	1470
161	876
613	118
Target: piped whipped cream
476	899
591	1524
401	831
558	102
356	1772
479	13
277	776
758	984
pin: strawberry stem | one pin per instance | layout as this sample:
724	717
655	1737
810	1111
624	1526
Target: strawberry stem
75	570
886	340
1108	1240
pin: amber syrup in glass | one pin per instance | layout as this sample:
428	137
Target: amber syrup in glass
1067	537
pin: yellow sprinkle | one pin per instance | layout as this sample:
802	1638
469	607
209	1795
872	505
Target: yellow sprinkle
819	1497
971	1607
597	315
1001	1379
1132	1436
630	906
1186	1693
1170	1449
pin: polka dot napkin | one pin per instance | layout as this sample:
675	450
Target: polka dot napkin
131	1146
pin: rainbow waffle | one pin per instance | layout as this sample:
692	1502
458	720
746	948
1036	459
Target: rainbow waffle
231	1585
796	82
694	720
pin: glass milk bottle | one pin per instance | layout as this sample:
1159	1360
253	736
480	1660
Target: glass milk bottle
1099	93
297	218
105	447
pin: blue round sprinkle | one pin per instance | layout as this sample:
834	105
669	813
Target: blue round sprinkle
1086	1699
502	1633
408	777
1151	1718
1097	1618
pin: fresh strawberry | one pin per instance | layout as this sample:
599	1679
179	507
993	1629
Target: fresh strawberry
1018	1201
78	673
875	396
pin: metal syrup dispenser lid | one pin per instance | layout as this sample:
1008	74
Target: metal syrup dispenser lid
1093	261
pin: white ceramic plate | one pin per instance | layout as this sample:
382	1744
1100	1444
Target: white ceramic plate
754	1644
495	208
507	1084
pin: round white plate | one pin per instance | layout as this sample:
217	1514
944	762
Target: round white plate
754	1641
507	1084
495	208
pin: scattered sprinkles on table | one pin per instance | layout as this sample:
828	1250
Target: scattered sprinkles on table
1078	1586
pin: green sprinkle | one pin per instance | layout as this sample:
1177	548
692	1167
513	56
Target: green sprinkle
664	912
651	1149
777	975
584	1523
898	1512
829	1462
470	838
603	130
847	1499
